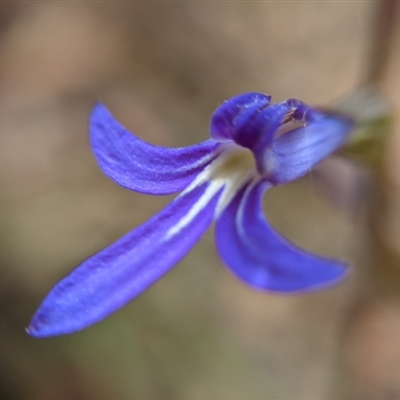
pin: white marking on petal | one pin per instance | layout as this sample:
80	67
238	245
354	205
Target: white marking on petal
232	186
232	169
209	193
240	211
207	157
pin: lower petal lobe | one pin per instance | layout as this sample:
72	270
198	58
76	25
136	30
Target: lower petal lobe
262	258
140	166
114	276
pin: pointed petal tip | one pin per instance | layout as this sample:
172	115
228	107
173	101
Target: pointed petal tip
333	275
98	106
99	117
29	331
39	329
47	323
35	331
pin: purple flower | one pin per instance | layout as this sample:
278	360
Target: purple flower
254	146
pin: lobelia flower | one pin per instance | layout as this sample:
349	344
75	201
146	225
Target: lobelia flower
254	146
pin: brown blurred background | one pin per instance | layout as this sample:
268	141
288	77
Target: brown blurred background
162	68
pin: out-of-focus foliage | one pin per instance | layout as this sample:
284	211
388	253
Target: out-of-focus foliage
374	119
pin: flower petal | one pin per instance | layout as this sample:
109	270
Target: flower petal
223	121
114	276
140	166
251	122
262	258
256	127
296	152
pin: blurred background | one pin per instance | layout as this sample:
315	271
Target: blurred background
162	68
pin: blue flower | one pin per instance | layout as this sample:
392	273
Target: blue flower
254	146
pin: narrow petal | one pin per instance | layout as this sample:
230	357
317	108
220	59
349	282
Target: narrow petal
114	276
255	128
223	121
262	258
295	153
140	166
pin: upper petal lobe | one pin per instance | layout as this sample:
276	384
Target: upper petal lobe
140	166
